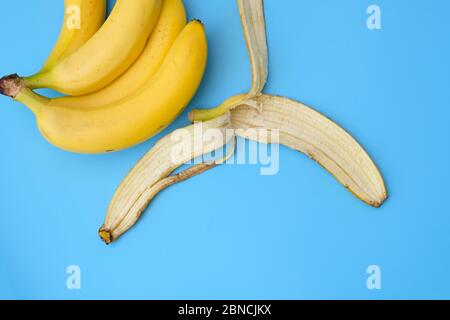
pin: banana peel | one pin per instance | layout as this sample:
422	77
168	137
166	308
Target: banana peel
300	128
153	172
306	130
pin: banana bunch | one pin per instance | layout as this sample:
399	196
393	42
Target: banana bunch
300	128
125	80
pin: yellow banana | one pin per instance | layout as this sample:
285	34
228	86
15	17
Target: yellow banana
109	53
170	23
82	18
131	120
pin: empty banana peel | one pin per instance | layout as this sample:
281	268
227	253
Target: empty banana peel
306	130
300	128
152	173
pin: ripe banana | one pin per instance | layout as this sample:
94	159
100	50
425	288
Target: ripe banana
151	173
82	18
171	22
105	56
129	121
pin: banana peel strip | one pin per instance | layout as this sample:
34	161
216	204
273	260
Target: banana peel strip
152	173
254	27
306	130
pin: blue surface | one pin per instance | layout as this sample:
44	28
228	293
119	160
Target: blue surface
232	233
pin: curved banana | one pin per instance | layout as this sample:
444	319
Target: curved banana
82	18
306	130
129	121
170	23
109	53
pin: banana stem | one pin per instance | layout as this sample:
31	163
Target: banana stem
207	114
227	105
11	85
37	81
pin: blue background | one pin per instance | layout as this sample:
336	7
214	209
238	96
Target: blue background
232	233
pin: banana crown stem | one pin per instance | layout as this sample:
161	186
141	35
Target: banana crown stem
36	81
11	85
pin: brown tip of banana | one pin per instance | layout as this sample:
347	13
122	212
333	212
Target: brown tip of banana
199	21
11	85
376	204
105	235
379	203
